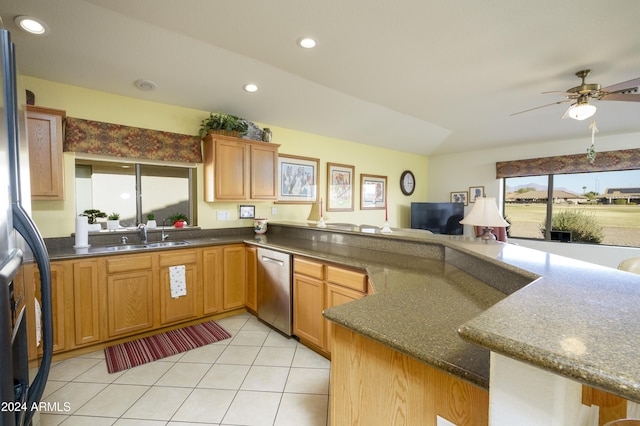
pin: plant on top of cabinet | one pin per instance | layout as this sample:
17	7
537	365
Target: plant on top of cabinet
93	214
227	124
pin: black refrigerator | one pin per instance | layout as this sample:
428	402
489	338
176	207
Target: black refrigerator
20	242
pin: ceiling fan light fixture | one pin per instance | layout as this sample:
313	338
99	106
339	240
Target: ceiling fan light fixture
581	110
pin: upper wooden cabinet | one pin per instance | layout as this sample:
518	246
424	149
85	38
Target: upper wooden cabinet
239	169
44	133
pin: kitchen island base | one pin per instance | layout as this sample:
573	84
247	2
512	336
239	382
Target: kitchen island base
372	384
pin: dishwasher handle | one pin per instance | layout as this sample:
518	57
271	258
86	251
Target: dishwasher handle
271	260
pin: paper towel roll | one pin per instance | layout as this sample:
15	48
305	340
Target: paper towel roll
82	232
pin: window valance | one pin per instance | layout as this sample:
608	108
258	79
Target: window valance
114	140
626	159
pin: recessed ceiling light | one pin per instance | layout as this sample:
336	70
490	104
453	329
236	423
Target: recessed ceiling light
31	25
143	84
250	87
307	43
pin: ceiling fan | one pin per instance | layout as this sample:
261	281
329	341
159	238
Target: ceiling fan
581	109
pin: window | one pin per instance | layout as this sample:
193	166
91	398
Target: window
607	200
134	190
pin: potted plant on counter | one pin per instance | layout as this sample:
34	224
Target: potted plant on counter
113	221
224	124
179	220
92	218
151	221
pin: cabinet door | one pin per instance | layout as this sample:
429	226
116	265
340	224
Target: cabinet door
129	302
32	291
44	135
231	170
183	307
336	295
233	277
251	296
264	172
86	302
307	309
212	266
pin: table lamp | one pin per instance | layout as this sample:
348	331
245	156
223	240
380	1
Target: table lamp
316	216
485	214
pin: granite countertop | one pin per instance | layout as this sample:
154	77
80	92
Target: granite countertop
422	295
448	300
579	320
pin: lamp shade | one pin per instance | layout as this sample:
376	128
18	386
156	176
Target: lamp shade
581	110
314	214
484	213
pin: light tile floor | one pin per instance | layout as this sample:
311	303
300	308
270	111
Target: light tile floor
257	377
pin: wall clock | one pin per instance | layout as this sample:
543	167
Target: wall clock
407	182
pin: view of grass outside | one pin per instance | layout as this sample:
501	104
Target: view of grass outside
620	223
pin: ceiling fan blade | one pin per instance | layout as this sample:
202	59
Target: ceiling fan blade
622	87
628	97
541	106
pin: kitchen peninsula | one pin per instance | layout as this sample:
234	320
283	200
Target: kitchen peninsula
567	317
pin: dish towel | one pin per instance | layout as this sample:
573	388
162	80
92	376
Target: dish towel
177	281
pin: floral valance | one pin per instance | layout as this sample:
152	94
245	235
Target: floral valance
626	159
114	140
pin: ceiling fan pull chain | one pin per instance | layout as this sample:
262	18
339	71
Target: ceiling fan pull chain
591	152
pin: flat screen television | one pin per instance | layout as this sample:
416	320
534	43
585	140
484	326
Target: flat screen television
439	218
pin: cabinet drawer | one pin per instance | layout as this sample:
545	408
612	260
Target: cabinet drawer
308	268
350	279
128	263
179	257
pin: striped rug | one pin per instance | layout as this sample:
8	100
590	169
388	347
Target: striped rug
131	354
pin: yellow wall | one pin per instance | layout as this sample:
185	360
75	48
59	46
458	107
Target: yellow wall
56	218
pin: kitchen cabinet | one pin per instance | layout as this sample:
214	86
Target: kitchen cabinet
233	276
318	286
86	302
239	169
59	276
212	266
45	138
308	301
183	307
129	294
251	290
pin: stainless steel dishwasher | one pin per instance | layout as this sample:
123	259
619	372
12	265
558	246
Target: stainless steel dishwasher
274	289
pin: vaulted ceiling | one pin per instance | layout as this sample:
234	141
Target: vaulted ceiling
422	76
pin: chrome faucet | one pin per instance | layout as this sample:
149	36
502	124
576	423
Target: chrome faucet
143	232
164	235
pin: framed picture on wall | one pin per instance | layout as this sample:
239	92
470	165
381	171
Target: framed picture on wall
373	192
460	197
475	192
298	179
340	187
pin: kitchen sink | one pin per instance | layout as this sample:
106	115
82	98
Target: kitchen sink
167	244
125	247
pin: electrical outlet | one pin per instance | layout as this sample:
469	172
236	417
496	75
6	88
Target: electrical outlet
274	210
223	215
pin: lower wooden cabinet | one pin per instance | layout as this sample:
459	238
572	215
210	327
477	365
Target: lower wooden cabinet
307	309
86	302
212	266
183	307
233	276
251	288
318	286
129	294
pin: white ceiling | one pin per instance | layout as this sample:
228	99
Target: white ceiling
422	76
